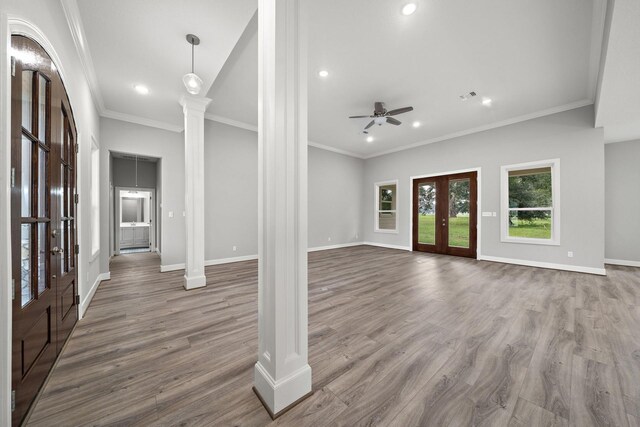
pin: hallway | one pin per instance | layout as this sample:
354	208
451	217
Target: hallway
396	338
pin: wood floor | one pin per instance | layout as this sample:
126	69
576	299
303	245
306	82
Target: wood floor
395	339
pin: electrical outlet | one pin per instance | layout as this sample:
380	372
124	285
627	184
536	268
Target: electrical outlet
356	235
570	254
494	214
170	214
328	239
234	248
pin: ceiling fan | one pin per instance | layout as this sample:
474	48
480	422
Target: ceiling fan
381	115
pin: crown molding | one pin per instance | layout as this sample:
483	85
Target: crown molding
335	150
140	121
72	14
502	123
231	122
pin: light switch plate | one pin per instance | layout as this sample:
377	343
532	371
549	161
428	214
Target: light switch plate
486	214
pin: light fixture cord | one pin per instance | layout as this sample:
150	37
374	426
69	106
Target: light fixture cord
192	56
136	171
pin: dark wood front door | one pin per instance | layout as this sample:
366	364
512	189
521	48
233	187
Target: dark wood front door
445	214
42	219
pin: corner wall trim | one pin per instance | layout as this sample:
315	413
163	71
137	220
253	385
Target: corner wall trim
384	245
550	265
338	246
622	262
84	305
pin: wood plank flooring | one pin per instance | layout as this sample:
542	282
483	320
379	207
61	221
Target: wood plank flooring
395	339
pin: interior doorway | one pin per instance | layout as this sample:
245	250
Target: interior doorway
43	220
445	214
135	220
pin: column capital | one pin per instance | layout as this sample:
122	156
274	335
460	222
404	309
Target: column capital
197	103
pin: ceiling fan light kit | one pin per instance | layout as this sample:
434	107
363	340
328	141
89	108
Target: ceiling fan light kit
192	82
381	115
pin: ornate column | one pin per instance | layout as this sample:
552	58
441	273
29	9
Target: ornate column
282	374
194	108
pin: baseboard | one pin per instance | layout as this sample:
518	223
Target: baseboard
338	246
171	267
384	245
553	266
84	305
230	260
208	263
622	262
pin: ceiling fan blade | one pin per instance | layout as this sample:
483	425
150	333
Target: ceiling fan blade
357	117
379	108
371	123
393	121
399	111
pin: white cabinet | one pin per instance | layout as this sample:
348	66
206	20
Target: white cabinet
134	236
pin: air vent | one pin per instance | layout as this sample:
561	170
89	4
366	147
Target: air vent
467	96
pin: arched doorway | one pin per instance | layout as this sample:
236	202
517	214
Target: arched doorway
43	219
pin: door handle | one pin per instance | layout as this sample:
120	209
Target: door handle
57	250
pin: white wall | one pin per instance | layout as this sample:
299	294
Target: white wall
622	202
131	138
231	191
335	198
47	18
569	136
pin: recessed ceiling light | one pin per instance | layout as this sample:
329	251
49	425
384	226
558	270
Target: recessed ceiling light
369	139
141	89
409	8
323	73
486	102
416	124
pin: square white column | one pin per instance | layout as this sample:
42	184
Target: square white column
282	375
194	108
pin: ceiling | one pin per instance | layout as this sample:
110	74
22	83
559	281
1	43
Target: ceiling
531	57
143	42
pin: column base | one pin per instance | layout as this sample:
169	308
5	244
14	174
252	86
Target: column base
279	397
194	282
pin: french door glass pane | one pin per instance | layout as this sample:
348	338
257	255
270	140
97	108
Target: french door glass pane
27	146
459	195
63	245
25	263
427	214
63	211
532	224
42	257
42	108
27	100
43	198
63	132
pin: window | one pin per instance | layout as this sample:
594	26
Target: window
95	198
386	211
531	203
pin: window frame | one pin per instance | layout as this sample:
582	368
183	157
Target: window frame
377	210
95	199
554	164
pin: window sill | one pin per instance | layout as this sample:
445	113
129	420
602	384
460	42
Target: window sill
543	242
386	231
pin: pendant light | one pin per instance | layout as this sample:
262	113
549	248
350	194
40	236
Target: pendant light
191	81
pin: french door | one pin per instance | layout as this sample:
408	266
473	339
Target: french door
43	229
445	214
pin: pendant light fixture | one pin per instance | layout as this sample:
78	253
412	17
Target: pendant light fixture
191	81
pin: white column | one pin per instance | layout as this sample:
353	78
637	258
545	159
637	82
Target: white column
194	108
282	375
